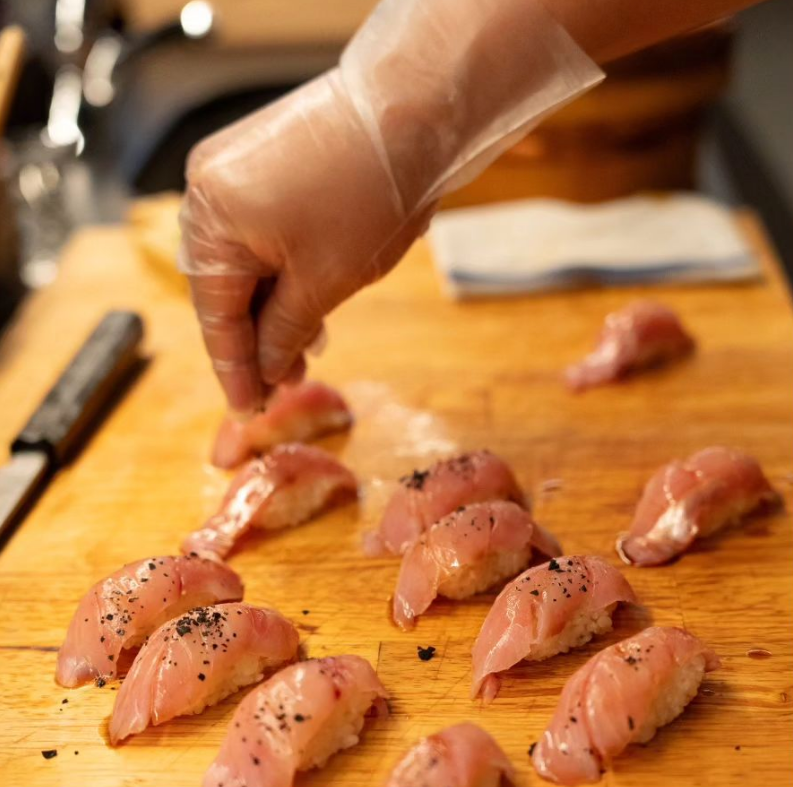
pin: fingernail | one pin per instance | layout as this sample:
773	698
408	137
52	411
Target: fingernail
318	344
273	365
243	390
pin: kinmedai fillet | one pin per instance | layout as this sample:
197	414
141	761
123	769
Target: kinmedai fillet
286	487
463	755
194	661
294	413
642	334
693	499
622	695
295	721
466	552
424	496
548	609
119	612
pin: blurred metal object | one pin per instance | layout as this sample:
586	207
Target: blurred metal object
91	77
44	219
111	51
63	127
195	21
45	168
98	89
39	159
69	25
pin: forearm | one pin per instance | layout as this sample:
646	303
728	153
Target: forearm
443	86
608	29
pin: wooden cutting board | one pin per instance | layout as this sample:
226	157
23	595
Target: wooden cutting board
425	377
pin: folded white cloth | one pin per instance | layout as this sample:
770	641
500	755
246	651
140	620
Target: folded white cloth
548	244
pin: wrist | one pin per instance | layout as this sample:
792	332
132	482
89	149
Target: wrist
444	86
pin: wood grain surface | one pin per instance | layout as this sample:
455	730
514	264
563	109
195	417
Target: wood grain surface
12	54
426	377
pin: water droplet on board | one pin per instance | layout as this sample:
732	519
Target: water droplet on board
104	730
758	653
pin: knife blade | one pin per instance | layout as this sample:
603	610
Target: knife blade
72	406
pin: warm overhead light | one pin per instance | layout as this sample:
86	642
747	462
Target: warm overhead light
196	18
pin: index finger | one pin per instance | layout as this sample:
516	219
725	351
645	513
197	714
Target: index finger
223	306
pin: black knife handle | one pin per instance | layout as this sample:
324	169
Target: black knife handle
87	384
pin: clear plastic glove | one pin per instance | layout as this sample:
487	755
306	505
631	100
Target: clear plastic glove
296	207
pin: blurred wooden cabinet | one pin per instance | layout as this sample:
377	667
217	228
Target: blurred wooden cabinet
638	130
257	23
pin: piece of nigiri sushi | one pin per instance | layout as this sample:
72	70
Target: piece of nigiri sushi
463	755
693	499
296	721
642	334
284	488
470	550
427	495
622	695
122	610
294	413
196	660
548	609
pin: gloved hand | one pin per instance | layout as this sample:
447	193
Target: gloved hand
287	213
294	208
